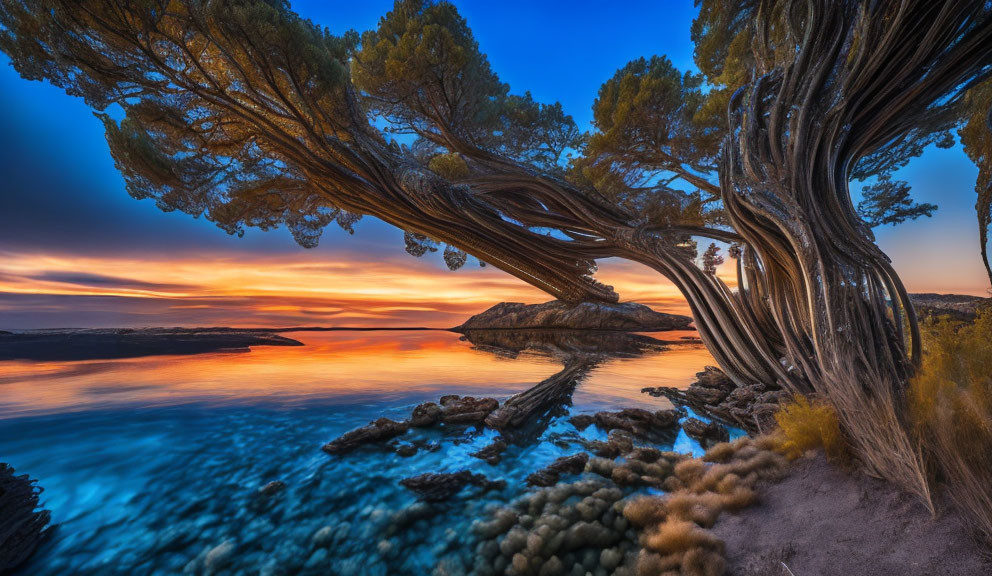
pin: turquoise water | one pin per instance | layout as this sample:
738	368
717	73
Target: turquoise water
154	465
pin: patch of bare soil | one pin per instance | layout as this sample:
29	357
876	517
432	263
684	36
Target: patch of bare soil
822	521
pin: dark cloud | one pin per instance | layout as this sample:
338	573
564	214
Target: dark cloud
103	281
33	311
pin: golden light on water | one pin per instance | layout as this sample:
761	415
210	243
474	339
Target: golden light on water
345	366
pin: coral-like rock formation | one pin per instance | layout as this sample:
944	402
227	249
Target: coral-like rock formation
575	528
618	443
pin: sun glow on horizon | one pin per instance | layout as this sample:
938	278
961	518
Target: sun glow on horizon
39	290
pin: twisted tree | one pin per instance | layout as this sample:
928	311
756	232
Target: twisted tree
253	116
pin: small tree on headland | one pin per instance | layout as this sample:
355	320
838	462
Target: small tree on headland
244	112
712	259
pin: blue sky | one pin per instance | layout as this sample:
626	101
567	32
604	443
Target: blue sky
61	194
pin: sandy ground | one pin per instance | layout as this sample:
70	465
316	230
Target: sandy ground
823	521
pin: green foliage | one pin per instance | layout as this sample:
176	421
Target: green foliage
650	150
887	201
422	70
451	166
190	138
729	55
712	259
645	117
976	135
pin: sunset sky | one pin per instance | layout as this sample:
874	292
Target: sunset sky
76	250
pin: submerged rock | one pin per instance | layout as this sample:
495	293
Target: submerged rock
376	431
617	444
441	487
637	421
705	432
628	316
218	557
549	475
272	488
640	467
492	453
405	450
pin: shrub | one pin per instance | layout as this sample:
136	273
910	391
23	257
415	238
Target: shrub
810	424
451	166
950	401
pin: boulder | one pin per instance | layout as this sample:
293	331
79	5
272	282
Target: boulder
626	317
466	410
425	415
376	431
492	453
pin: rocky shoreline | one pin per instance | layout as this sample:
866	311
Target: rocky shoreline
751	408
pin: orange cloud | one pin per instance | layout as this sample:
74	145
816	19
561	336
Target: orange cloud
54	290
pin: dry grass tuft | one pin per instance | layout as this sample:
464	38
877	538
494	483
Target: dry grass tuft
674	536
872	413
809	425
950	402
723	451
701	562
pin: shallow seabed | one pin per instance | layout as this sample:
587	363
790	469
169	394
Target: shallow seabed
154	465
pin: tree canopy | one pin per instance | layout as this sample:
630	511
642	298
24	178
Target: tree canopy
244	112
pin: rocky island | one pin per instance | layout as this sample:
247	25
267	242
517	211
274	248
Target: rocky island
626	317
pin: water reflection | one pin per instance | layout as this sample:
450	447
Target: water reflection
151	463
352	367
